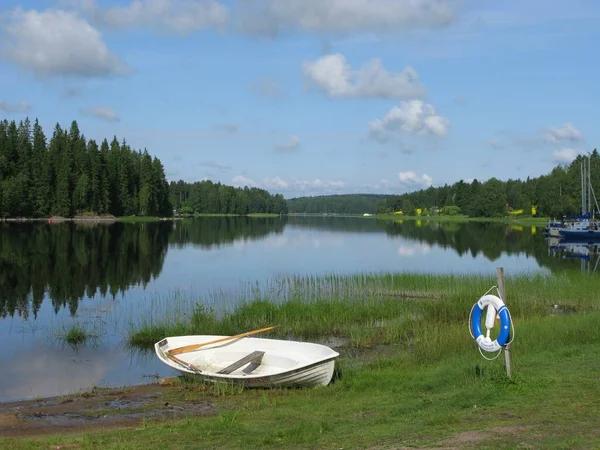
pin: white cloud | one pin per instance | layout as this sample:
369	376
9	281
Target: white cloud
334	76
346	16
279	184
566	155
288	147
175	16
242	181
412	179
56	42
565	133
414	117
102	112
19	107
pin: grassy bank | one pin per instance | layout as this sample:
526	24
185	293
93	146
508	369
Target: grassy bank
409	373
230	215
263	215
368	309
527	220
141	219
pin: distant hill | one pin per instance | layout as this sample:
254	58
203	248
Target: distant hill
336	204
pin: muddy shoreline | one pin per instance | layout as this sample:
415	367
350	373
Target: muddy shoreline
101	408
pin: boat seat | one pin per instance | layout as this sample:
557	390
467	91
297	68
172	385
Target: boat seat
255	358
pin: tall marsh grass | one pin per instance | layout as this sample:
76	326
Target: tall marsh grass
414	310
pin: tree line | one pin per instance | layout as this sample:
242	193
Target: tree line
555	194
69	174
336	204
206	197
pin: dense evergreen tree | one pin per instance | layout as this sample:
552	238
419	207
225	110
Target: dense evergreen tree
208	197
336	204
555	194
71	175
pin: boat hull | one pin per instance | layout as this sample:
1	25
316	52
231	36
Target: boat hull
580	235
284	364
312	376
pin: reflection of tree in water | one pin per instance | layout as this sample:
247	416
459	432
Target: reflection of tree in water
333	223
488	238
208	232
69	261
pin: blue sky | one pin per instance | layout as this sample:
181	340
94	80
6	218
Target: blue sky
308	97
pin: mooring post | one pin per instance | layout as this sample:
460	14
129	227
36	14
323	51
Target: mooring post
500	276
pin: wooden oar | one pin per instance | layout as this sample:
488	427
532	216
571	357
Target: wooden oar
166	354
183	363
189	348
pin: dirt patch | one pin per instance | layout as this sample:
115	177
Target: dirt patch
106	408
472	438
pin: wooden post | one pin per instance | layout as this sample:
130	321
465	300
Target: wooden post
500	276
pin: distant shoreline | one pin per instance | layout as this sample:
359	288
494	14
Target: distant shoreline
134	219
104	219
126	219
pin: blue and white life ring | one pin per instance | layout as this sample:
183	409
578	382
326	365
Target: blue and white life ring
495	306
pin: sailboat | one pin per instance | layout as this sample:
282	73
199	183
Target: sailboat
586	227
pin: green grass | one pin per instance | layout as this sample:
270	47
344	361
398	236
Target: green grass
367	309
76	335
138	219
214	215
231	215
525	220
411	375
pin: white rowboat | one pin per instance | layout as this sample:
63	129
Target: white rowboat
253	362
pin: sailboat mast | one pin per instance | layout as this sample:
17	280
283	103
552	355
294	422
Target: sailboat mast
589	184
582	188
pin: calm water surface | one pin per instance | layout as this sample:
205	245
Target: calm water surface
109	275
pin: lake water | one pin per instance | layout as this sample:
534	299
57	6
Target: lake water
106	276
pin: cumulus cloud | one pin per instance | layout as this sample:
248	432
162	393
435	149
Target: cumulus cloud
566	155
267	88
288	147
334	76
414	117
56	42
279	184
19	107
345	16
412	179
565	133
102	112
174	16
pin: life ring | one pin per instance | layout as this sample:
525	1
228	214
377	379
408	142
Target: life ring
484	341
